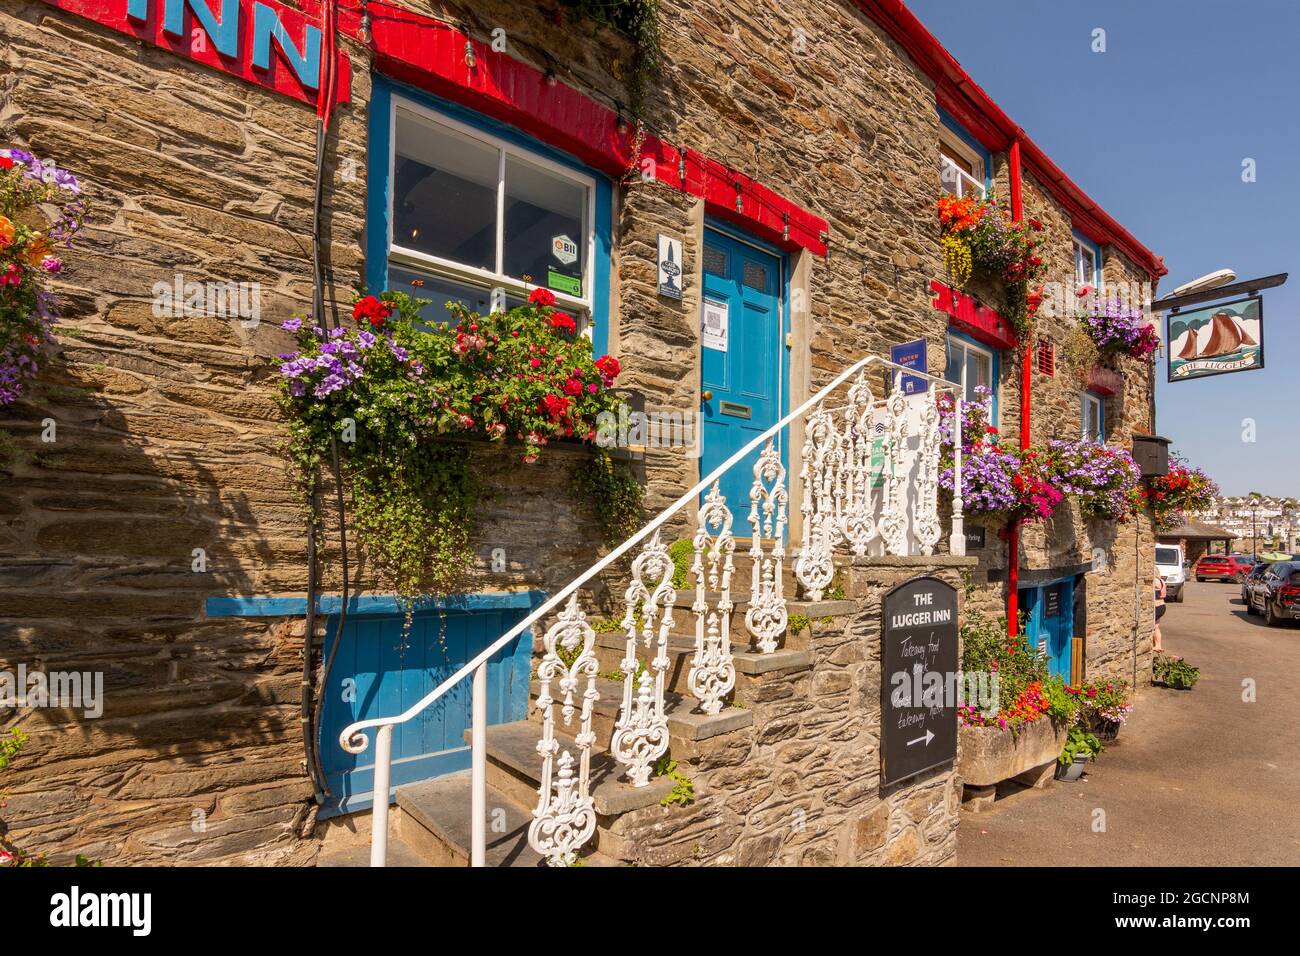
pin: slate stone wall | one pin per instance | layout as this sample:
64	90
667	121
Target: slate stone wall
168	439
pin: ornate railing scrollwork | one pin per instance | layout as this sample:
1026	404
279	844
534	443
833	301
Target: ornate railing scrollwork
641	732
713	671
565	818
766	617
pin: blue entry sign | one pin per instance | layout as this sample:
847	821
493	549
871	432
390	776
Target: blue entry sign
911	355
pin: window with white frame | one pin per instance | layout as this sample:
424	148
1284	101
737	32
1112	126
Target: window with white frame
971	366
1093	418
1085	265
961	169
480	221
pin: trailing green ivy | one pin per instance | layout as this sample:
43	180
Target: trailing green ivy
639	19
386	394
613	492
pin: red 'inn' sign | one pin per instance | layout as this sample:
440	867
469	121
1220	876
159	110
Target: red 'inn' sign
260	41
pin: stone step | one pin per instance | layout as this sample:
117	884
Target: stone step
685	727
514	767
435	820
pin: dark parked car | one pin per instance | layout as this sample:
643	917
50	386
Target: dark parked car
1276	593
1255	574
1224	567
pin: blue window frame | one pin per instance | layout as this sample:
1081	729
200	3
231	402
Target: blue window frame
462	207
971	364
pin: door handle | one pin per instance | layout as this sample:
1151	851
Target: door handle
706	396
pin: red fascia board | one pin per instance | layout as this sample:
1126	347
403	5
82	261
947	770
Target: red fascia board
430	54
961	96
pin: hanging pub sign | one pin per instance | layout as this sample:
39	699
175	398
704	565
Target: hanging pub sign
919	679
260	41
1216	339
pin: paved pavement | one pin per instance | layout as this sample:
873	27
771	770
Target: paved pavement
1197	778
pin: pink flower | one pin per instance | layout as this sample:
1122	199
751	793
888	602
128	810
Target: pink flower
52	264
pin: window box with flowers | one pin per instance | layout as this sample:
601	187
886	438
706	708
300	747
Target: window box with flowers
979	238
388	400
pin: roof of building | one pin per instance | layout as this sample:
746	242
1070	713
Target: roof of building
963	98
1192	530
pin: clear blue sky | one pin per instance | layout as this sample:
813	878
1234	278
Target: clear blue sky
1155	130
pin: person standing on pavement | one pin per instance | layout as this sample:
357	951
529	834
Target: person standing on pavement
1161	592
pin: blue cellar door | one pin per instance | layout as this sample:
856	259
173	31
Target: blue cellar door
740	359
378	674
1049	623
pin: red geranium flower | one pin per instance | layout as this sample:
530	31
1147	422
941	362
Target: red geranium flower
371	309
542	297
573	386
563	322
6	162
609	368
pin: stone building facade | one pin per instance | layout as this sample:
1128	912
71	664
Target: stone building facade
814	135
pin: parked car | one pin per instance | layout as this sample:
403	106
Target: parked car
1276	593
1169	565
1224	567
1255	574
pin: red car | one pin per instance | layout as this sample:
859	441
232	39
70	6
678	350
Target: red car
1224	567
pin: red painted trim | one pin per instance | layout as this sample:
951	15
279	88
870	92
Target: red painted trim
1026	418
1013	580
430	54
962	97
978	321
280	77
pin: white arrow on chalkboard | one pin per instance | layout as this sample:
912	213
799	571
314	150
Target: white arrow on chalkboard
929	735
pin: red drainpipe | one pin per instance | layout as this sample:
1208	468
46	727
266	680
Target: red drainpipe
1013	531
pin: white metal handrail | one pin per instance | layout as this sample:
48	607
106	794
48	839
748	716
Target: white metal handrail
353	739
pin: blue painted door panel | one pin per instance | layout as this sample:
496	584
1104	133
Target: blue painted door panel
746	376
1051	633
377	673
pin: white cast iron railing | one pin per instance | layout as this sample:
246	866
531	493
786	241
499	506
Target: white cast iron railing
869	474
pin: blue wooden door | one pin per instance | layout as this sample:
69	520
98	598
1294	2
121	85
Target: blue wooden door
740	359
378	672
1049	623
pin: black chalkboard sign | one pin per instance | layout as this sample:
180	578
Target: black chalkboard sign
919	678
1052	606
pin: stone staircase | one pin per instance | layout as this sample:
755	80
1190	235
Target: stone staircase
429	825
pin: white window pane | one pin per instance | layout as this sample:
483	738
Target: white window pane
955	363
444	193
544	234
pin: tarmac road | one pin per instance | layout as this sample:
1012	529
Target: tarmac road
1196	778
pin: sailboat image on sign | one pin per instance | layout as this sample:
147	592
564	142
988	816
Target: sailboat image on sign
1228	337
